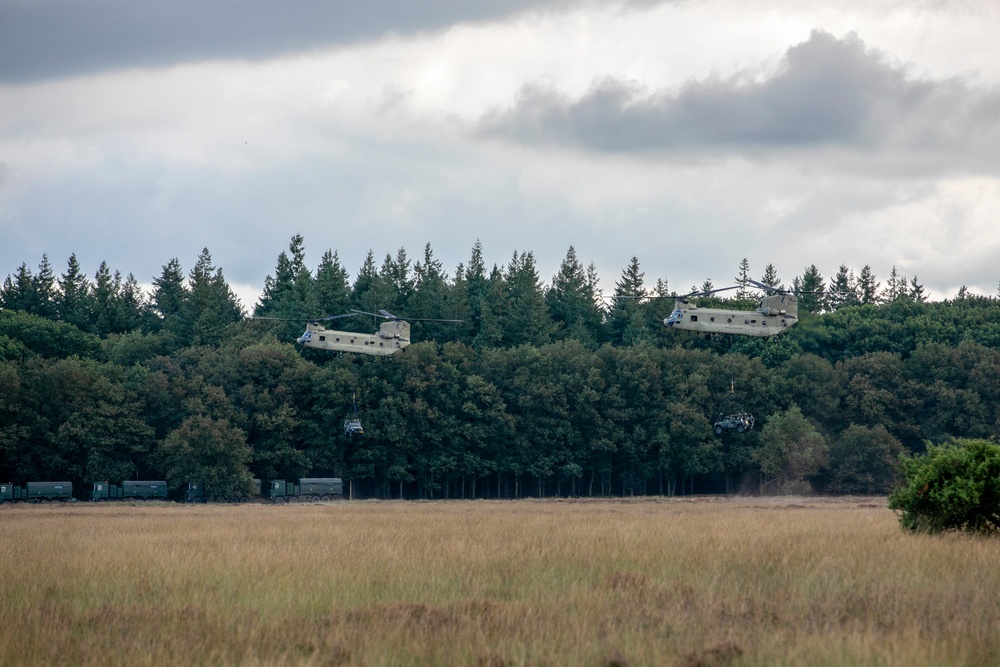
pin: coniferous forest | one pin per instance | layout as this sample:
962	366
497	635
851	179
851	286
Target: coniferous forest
558	388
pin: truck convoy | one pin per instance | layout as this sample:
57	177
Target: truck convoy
277	491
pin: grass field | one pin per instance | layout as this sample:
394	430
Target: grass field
704	581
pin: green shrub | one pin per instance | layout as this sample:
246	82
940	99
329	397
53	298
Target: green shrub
954	486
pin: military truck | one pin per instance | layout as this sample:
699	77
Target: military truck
129	490
37	492
307	489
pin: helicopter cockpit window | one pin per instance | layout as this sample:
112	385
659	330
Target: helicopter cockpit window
674	318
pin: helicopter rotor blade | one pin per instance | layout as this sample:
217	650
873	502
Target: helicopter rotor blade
386	315
303	319
332	317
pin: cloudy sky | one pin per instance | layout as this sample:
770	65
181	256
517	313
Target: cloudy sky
689	133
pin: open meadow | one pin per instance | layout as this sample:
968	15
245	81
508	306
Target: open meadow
702	581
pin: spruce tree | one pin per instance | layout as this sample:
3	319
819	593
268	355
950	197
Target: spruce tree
842	290
770	277
477	289
168	298
72	297
528	321
211	306
868	286
332	285
45	291
430	298
916	291
810	292
743	280
626	321
18	292
105	309
571	303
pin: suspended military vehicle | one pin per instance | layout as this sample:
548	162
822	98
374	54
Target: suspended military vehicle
732	416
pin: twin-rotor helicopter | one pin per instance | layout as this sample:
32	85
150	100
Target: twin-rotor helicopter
392	336
777	312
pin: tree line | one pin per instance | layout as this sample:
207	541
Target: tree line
540	390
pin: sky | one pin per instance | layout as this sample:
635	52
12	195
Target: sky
690	134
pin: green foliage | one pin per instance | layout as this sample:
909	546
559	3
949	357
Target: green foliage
864	460
539	391
792	451
46	338
953	486
209	451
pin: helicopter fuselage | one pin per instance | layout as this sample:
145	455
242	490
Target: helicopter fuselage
391	337
776	313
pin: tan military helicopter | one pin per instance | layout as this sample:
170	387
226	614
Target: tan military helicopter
776	313
391	337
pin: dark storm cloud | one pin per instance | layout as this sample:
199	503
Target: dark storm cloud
827	91
42	39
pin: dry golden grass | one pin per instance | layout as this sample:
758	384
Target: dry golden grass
709	582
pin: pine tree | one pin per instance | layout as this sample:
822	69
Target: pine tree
168	298
868	286
397	274
528	321
770	277
626	321
571	303
477	289
303	300
72	298
18	293
291	292
277	289
916	291
372	290
842	290
45	293
895	287
104	294
430	298
332	285
496	310
211	306
132	305
809	289
743	280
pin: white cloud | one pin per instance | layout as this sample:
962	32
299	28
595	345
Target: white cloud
362	145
